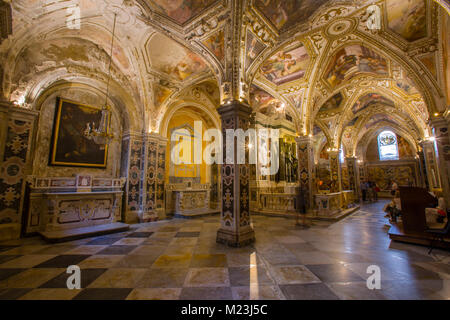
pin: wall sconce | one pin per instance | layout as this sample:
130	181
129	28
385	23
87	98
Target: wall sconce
432	139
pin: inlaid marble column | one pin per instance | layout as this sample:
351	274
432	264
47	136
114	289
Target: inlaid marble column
352	167
154	181
335	171
132	168
16	132
305	156
441	132
235	228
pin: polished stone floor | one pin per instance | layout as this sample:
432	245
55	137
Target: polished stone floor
179	259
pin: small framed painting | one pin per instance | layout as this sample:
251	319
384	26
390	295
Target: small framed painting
72	145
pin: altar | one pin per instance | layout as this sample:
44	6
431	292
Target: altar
329	204
61	209
189	201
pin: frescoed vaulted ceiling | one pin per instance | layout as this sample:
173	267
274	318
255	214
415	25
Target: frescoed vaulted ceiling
318	60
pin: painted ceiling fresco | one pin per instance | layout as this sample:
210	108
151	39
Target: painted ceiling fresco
260	98
407	18
216	44
333	103
370	99
253	48
352	122
173	59
263	101
406	87
353	60
376	118
161	93
286	66
181	10
284	14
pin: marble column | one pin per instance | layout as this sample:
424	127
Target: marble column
132	168
423	178
335	171
352	167
305	156
432	171
16	134
236	229
154	181
441	132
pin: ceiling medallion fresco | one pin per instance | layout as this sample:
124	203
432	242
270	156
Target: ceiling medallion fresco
369	100
284	14
181	10
173	59
253	48
216	45
263	101
353	60
377	118
406	87
286	65
407	18
333	103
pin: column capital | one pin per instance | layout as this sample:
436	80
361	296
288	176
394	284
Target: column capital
351	158
304	139
425	143
333	153
438	122
155	136
234	108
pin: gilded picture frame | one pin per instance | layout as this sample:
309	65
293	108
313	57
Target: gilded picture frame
71	146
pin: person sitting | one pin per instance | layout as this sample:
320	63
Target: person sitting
394	208
436	215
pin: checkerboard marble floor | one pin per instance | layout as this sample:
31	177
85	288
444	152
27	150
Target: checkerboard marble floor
179	259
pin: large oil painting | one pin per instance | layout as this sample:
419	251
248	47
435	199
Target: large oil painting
407	18
371	99
284	14
70	146
286	66
182	10
353	60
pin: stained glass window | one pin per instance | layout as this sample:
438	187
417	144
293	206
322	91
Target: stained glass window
387	146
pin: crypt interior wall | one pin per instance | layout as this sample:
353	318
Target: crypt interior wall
404	171
43	142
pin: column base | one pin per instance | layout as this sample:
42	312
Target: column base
233	239
10	231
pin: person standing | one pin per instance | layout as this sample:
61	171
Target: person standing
301	208
394	187
364	190
369	191
376	189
